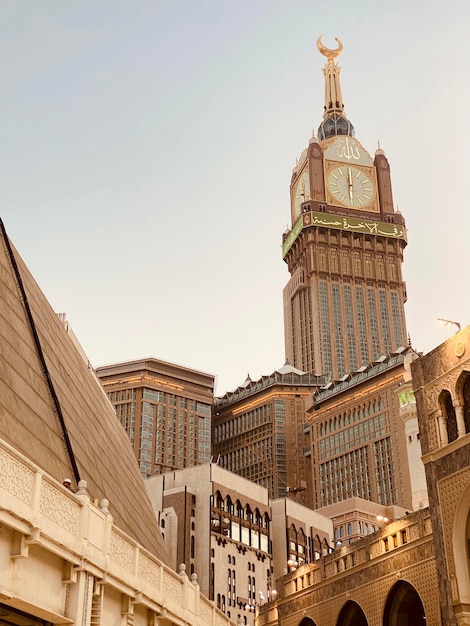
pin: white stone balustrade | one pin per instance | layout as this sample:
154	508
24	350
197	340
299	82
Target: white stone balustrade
58	535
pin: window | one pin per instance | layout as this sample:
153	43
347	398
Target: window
334	266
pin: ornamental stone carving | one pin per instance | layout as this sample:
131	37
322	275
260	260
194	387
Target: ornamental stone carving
205	613
434	390
148	570
16	478
172	587
121	552
58	508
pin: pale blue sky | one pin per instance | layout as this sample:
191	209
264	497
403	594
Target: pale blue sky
147	148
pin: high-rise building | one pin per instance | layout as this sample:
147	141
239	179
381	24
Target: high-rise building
344	302
258	431
358	438
165	409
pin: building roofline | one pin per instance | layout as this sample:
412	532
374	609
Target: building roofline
149	363
363	374
290	379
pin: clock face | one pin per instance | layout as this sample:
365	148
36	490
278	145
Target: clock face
301	191
349	185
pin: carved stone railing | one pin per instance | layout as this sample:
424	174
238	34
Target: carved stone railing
38	510
344	559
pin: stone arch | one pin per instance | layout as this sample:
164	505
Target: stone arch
448	413
219	501
403	606
307	622
317	548
302	548
248	513
462	389
351	615
460	541
327	549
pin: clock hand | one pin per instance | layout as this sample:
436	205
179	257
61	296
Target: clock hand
350	185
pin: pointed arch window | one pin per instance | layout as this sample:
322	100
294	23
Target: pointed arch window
466	403
450	418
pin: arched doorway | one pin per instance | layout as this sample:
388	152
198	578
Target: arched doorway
460	543
404	606
351	615
307	622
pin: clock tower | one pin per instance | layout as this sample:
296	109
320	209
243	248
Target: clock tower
344	302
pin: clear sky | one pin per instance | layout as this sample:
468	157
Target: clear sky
147	149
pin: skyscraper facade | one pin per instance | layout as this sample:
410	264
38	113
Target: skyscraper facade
358	439
344	302
258	432
165	409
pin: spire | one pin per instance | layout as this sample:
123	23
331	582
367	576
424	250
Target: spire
335	121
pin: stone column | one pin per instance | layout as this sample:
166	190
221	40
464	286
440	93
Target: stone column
441	428
459	417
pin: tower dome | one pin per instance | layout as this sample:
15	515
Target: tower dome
335	124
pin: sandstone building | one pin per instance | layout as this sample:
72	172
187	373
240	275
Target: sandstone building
233	536
442	385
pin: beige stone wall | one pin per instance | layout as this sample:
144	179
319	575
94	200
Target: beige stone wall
445	369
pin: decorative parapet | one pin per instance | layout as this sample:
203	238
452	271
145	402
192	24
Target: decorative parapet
37	510
346	560
265	382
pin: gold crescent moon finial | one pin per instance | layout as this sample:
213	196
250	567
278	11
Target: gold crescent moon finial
329	54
